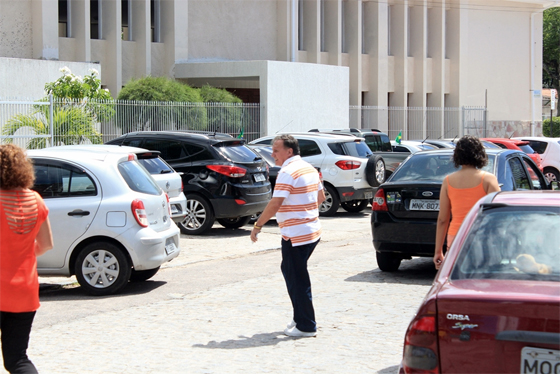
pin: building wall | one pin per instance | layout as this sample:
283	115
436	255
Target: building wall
16	38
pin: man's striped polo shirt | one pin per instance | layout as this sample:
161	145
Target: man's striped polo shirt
298	183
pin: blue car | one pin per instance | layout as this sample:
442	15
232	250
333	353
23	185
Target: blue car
405	207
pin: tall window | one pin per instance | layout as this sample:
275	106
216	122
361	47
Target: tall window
322	10
363	31
344	47
301	47
155	19
446	36
95	19
408	31
63	18
126	13
389	26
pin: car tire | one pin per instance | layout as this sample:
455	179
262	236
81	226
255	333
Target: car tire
354	206
199	218
142	275
102	268
375	171
552	175
388	261
331	204
234	223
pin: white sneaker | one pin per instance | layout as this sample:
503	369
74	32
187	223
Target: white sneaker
291	324
299	334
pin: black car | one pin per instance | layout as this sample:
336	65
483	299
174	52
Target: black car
222	178
405	208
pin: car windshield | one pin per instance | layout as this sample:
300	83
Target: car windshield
433	167
527	149
138	179
155	165
237	153
512	243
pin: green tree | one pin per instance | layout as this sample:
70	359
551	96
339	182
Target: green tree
555	131
223	108
164	107
551	48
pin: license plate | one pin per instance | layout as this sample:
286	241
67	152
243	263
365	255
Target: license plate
424	204
539	360
368	195
259	177
170	246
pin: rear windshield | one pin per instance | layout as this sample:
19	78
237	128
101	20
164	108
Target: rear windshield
237	153
527	149
431	167
138	179
512	243
155	165
351	148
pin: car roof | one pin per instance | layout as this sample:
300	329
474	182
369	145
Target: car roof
111	148
70	152
530	198
506	140
313	135
199	135
541	138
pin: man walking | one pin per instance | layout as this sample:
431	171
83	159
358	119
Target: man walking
295	202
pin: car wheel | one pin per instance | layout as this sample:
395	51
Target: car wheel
102	268
331	204
234	223
199	218
375	171
354	206
388	261
142	275
552	175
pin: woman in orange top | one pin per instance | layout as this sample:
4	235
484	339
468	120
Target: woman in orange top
26	233
461	190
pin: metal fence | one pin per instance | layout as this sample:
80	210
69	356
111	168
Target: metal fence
418	122
39	124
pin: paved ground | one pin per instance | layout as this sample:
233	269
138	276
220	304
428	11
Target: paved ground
236	327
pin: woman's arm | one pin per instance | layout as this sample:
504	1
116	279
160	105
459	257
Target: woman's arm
442	223
491	183
44	239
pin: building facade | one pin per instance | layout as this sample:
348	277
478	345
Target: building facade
295	56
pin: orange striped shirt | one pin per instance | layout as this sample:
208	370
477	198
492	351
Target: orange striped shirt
298	183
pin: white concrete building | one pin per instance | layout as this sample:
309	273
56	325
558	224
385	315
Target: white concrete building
305	61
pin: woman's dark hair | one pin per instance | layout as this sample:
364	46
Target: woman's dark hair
289	142
470	151
16	170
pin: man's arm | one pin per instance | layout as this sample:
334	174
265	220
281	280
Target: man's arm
271	208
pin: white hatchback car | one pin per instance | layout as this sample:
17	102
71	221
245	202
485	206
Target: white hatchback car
109	218
549	149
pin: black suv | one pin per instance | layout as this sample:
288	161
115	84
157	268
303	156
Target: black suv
222	178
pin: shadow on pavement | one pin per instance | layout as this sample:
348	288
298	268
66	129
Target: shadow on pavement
389	370
257	340
415	271
55	292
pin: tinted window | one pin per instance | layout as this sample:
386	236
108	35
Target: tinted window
237	153
357	149
527	149
512	243
308	148
501	145
400	148
59	181
539	147
519	176
386	143
378	143
170	150
534	173
138	178
155	165
197	153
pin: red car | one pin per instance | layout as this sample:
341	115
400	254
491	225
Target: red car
520	145
494	306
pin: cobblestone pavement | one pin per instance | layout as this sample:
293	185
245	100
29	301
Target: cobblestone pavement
362	315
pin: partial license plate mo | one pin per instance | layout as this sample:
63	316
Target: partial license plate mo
424	204
170	246
539	361
259	177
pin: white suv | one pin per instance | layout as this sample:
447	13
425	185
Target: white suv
342	160
109	218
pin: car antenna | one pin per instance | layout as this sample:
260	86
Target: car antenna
425	139
453	141
284	127
120	145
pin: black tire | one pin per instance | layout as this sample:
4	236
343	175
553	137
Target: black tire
388	261
376	173
234	223
102	268
354	206
331	204
199	218
142	275
551	174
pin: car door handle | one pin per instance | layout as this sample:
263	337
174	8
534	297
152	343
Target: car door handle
78	212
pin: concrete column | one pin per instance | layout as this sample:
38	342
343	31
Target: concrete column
45	29
399	49
112	34
436	51
175	32
418	48
140	28
353	36
80	30
284	30
312	29
333	29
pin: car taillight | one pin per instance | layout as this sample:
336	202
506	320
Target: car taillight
348	165
181	186
230	171
420	343
168	205
379	203
139	212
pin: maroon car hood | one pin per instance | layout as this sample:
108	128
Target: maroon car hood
477	319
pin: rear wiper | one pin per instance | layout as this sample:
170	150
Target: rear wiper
165	171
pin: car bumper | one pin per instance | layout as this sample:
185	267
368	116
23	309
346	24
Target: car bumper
152	249
229	208
351	193
178	207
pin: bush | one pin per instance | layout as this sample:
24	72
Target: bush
555	133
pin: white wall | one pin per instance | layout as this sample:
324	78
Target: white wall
26	78
16	30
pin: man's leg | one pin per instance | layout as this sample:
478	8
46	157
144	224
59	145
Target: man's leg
15	329
294	268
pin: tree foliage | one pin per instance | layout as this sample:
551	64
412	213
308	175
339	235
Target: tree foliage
159	89
551	48
217	95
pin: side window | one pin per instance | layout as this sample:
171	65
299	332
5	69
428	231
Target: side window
538	146
538	183
308	148
400	148
265	142
169	150
373	142
386	143
521	181
197	153
501	145
53	181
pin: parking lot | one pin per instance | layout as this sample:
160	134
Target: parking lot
221	307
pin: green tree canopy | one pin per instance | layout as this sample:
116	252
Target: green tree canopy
159	89
217	95
551	48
